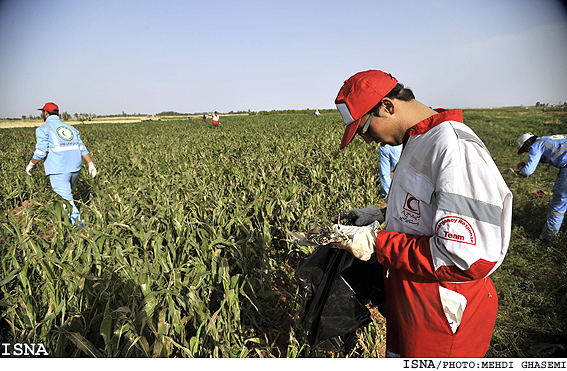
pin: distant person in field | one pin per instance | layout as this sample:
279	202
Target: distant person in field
550	150
447	224
216	119
61	147
389	157
317	114
204	118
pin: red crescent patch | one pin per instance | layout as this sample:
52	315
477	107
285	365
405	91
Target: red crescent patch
412	205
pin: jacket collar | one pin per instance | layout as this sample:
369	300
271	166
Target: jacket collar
52	118
431	122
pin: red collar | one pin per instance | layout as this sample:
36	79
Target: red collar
431	122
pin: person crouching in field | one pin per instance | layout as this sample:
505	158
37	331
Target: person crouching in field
551	150
60	145
447	224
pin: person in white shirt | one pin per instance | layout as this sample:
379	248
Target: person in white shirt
447	225
216	119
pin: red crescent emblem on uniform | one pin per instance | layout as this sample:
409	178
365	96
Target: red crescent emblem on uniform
412	204
410	201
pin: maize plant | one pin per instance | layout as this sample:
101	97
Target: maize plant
185	251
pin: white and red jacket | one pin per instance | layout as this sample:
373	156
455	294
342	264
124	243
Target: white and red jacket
447	229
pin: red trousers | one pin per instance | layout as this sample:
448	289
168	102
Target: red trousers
417	325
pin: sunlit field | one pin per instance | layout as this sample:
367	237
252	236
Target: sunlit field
185	251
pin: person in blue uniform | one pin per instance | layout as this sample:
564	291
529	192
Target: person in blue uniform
60	146
389	157
551	150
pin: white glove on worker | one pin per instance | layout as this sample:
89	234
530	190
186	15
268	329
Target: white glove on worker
361	241
29	168
92	169
368	215
365	216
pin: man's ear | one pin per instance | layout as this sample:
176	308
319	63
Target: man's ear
388	106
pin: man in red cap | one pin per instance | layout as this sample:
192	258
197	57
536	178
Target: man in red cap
447	225
60	145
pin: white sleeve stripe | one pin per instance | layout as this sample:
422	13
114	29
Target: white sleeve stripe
40	153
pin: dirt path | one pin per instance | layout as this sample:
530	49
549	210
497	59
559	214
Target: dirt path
7	124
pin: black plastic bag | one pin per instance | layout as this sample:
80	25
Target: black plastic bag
334	287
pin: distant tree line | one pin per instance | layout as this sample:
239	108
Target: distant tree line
541	105
63	115
82	117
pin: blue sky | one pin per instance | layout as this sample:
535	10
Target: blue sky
106	57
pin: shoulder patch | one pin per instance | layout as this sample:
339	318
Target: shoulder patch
455	228
461	134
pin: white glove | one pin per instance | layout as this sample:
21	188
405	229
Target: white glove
92	169
367	215
29	168
361	241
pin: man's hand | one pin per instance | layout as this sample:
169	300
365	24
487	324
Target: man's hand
361	217
92	169
520	171
361	241
29	168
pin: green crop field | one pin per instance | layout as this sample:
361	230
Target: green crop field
185	251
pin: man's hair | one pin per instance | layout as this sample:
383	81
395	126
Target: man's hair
51	113
399	92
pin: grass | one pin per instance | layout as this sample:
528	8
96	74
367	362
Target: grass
185	252
532	281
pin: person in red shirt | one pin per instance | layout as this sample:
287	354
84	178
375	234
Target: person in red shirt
216	119
447	225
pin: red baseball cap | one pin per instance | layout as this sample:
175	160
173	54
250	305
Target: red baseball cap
358	95
50	107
